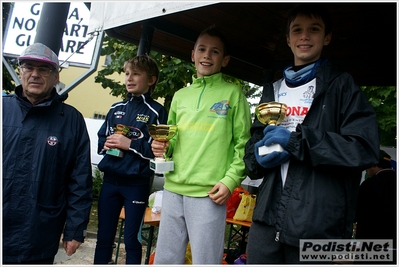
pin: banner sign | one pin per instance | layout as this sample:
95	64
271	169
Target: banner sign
22	29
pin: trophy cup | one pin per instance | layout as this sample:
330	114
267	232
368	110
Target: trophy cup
118	129
270	113
162	132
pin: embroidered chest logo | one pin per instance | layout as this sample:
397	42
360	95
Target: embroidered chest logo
143	118
221	108
119	114
52	140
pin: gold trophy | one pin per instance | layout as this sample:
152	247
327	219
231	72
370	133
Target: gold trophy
162	132
118	129
270	113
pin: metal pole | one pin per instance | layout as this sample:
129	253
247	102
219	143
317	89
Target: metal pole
51	25
91	70
145	40
268	76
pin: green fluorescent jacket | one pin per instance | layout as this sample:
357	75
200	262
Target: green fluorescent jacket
213	120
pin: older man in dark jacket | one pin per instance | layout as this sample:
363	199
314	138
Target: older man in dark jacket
47	180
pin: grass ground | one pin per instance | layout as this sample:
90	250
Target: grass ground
93	223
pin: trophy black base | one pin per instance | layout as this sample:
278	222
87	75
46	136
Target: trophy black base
161	167
115	152
264	150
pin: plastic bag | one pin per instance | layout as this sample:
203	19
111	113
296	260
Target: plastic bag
155	201
233	201
245	210
188	259
241	260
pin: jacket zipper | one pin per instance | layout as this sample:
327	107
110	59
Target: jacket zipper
200	96
277	238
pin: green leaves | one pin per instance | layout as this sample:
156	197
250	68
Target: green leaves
175	73
383	100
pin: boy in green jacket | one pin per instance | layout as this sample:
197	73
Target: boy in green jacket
213	120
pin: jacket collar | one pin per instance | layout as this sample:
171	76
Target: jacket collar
46	102
325	74
139	99
209	80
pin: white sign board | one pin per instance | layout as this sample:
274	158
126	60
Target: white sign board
22	29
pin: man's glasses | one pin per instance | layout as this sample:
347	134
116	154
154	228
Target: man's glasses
43	71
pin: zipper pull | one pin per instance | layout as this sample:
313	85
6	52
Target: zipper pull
354	230
277	238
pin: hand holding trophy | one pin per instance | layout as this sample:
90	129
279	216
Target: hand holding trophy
118	129
162	132
270	113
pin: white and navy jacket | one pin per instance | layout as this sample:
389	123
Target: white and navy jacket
136	112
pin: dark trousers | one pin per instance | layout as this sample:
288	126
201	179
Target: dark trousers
112	198
41	262
263	249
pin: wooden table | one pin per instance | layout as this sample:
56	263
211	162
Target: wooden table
242	232
152	220
149	217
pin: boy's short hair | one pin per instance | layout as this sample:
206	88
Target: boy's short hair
144	63
310	10
213	31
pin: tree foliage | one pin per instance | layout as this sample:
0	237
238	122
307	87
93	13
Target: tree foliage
383	100
174	74
8	82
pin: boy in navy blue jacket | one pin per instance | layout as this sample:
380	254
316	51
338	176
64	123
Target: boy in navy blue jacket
127	178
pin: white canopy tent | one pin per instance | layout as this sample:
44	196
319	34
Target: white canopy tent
107	15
